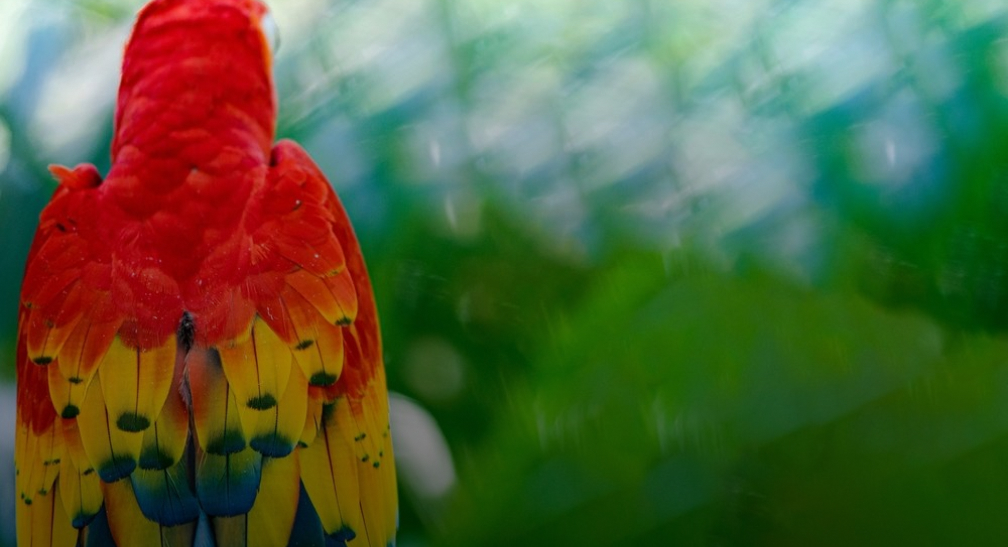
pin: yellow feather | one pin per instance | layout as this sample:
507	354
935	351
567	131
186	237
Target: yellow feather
315	291
370	457
359	449
80	491
113	452
231	531
22	464
342	288
23	526
51	454
66	396
378	487
379	406
83	351
135	383
45	523
257	370
277	430
180	535
40	461
329	473
214	409
164	444
130	527
313	420
28	464
319	350
72	445
45	338
272	516
375	527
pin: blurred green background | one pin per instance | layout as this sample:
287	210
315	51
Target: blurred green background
651	272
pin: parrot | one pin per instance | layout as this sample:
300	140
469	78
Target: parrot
198	358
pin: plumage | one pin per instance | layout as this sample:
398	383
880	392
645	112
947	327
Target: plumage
129	526
271	519
164	444
319	344
80	355
164	495
112	451
135	383
80	492
199	358
214	407
227	484
48	521
329	472
277	430
258	369
307	528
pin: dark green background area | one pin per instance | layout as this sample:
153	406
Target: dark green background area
662	273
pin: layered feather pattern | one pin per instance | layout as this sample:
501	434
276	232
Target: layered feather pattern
199	355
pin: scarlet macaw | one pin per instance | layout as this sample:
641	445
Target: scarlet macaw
198	347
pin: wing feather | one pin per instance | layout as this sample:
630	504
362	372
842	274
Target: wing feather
80	491
271	389
347	469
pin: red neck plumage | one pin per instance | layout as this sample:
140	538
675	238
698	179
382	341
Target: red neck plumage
193	100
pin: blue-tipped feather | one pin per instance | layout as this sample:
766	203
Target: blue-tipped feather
164	495
227	485
273	445
116	468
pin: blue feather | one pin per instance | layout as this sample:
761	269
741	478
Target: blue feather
98	532
307	530
165	496
227	485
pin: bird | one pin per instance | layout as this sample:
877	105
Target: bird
199	356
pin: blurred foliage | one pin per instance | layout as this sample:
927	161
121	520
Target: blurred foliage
694	272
